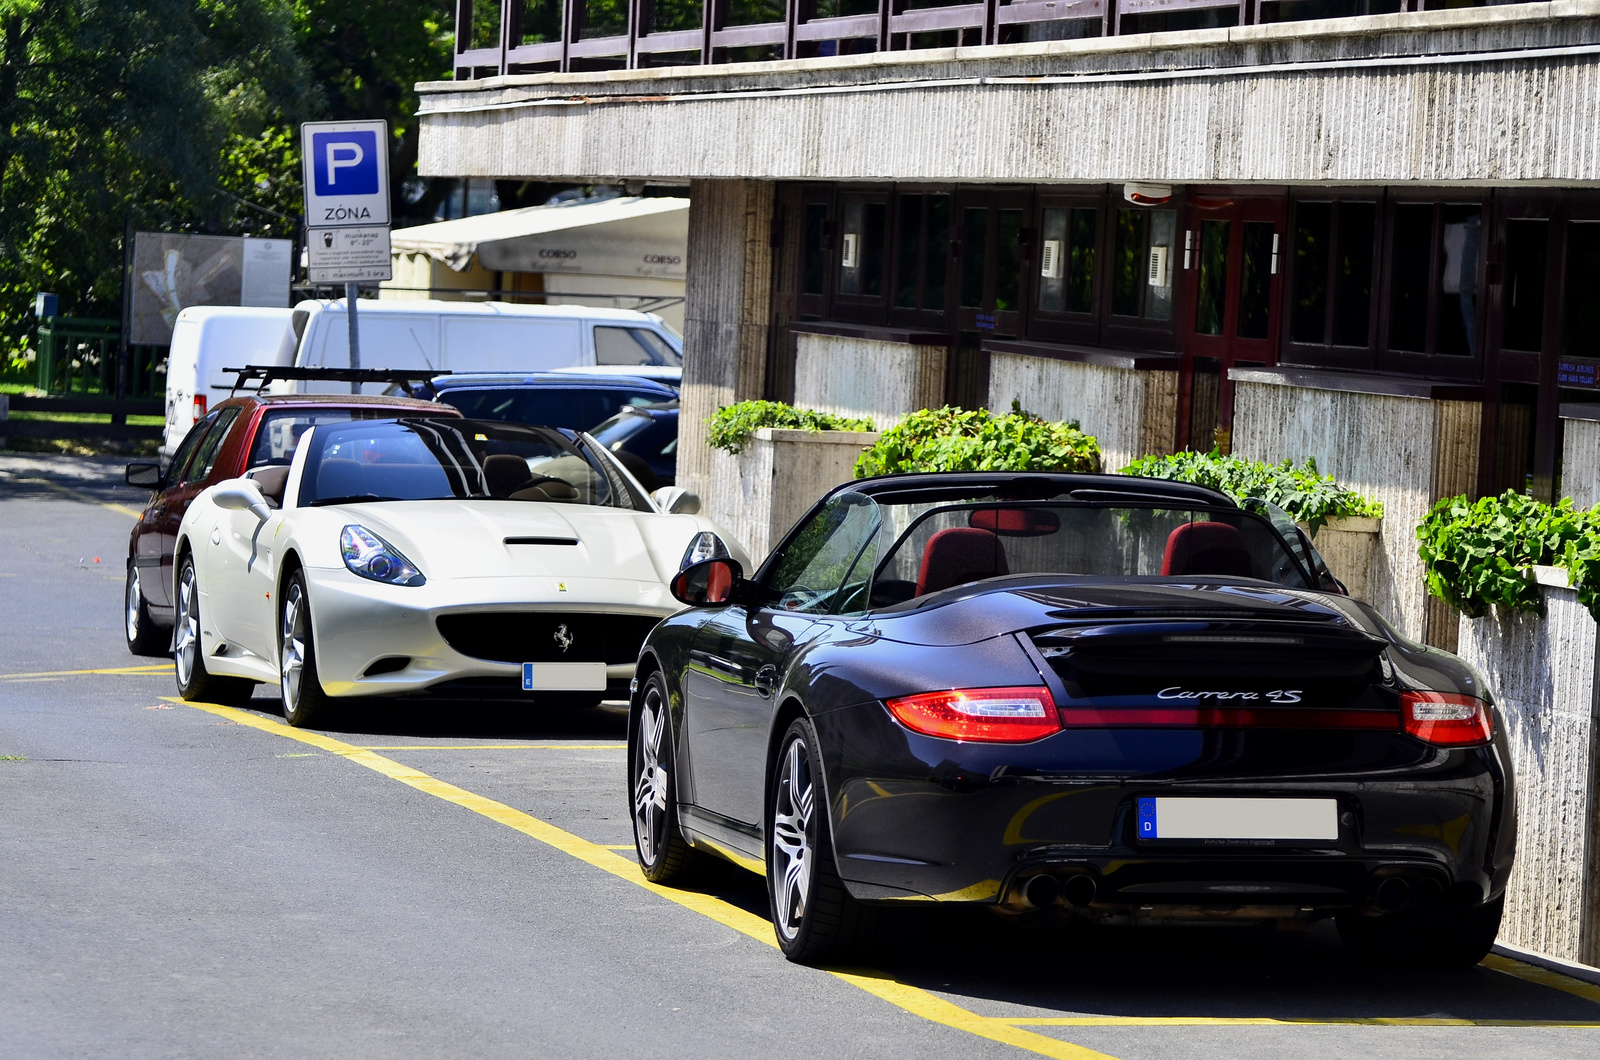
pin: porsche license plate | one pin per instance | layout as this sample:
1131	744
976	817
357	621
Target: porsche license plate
564	677
1177	818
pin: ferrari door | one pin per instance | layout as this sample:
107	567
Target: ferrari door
740	658
239	579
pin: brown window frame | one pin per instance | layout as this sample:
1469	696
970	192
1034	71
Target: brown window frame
860	308
1066	325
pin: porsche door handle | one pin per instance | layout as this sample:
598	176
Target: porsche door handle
766	680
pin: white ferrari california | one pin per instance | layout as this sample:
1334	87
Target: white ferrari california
429	555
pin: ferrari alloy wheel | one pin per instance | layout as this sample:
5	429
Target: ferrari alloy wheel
195	682
304	701
1440	937
814	915
664	855
144	636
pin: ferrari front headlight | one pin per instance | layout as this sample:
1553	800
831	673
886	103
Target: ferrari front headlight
706	545
370	556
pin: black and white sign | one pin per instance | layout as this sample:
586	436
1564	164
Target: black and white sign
346	173
348	255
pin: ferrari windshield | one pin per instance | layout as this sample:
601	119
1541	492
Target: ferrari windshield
446	459
859	551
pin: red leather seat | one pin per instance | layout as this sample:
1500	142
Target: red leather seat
1206	548
960	555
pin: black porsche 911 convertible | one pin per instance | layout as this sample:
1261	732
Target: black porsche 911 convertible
1121	697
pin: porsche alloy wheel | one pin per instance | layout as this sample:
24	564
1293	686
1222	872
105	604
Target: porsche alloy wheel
144	636
303	698
195	682
815	917
664	855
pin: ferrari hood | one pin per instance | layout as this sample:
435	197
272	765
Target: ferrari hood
452	539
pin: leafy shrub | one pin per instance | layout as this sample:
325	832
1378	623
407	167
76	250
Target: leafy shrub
1479	553
952	439
730	429
1307	496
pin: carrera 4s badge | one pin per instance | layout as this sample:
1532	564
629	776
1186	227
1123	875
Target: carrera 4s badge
1277	695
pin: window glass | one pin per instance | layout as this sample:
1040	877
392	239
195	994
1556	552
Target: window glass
1127	274
1009	265
906	280
1458	281
974	255
754	12
191	442
1255	280
279	432
1308	309
1526	243
205	457
602	18
1053	262
574	409
1212	290
936	251
632	346
541	21
1581	328
1080	260
1411	263
813	569
1163	235
1352	302
861	249
813	263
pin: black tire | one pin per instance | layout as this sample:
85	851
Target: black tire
195	682
304	701
1442	937
814	916
144	637
664	855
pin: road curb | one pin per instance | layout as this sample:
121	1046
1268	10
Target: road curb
1572	969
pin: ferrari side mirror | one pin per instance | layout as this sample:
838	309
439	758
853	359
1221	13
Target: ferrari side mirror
241	494
709	583
144	475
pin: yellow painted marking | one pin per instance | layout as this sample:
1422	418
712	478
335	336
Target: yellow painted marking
916	1001
497	747
618	846
157	668
79	495
1532	973
1263	1021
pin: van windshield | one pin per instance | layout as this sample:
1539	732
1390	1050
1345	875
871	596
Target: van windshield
453	459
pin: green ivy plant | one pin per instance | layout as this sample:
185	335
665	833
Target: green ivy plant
1306	495
954	439
1481	553
730	429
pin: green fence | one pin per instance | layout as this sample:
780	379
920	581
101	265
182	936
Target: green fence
78	355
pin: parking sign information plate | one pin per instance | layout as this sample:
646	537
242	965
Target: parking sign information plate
348	255
1238	819
564	677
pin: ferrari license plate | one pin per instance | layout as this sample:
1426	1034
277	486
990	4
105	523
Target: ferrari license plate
564	677
1305	819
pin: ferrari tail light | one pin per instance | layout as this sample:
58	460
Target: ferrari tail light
1447	719
199	410
986	715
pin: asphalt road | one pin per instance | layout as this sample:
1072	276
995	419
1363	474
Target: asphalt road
457	881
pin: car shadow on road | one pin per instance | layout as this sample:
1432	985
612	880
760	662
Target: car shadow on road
465	719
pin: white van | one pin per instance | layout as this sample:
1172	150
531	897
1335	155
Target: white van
205	340
476	337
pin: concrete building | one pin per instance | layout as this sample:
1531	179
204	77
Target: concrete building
1288	228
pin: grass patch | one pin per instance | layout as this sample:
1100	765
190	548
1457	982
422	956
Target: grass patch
12	758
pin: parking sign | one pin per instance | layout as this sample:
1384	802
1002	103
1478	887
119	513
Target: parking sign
346	173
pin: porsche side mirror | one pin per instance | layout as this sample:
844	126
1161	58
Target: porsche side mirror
675	500
241	494
709	583
143	474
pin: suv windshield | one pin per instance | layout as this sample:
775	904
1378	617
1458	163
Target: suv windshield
575	408
445	459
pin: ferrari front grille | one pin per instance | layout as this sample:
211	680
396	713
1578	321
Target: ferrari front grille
546	636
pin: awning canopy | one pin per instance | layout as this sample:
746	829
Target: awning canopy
613	237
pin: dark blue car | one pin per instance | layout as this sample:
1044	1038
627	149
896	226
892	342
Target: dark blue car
648	432
548	399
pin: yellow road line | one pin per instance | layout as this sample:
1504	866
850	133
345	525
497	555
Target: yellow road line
1532	973
497	747
79	495
916	1001
1263	1021
152	669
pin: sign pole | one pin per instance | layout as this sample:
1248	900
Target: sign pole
355	332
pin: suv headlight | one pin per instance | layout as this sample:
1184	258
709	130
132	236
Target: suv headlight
705	545
370	556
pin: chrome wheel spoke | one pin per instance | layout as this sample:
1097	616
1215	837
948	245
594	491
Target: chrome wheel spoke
133	604
791	840
291	653
186	643
651	783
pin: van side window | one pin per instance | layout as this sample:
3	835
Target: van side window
205	457
632	346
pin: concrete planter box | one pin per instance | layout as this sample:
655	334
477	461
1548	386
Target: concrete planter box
781	473
1349	545
1542	671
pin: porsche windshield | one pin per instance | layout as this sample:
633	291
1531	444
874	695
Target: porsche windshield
859	551
438	459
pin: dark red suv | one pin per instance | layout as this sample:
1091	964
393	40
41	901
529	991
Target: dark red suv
251	435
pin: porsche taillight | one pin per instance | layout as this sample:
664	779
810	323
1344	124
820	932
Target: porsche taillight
985	715
1446	719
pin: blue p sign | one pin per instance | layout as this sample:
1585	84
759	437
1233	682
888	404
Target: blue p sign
345	163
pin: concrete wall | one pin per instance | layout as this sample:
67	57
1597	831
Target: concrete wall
881	381
1478	95
1131	413
777	477
725	314
1580	461
1404	451
1543	673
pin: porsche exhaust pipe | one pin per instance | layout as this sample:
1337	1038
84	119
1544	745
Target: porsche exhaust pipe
1080	890
1040	891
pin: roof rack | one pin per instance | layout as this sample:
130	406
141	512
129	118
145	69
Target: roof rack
263	374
